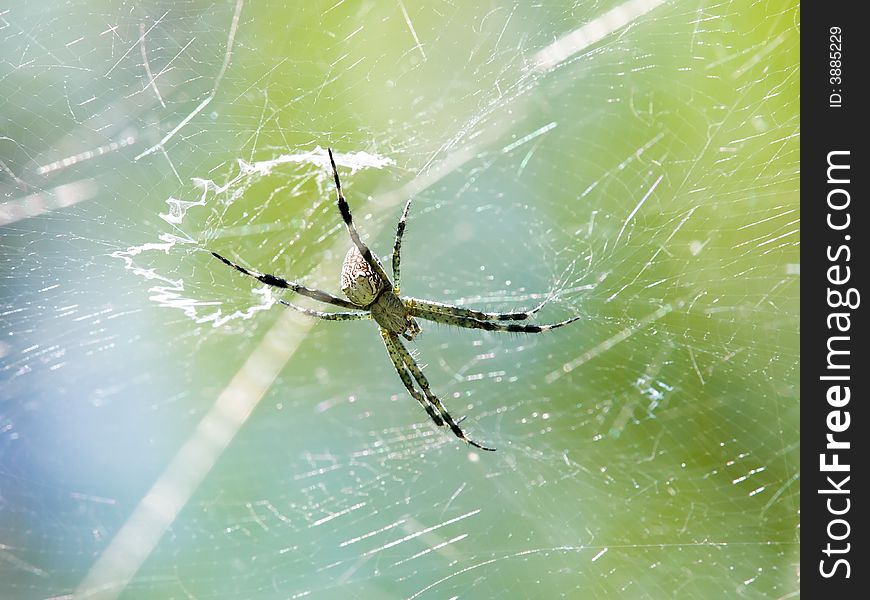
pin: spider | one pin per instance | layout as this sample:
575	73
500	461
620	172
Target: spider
373	295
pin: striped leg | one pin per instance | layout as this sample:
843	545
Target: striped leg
328	316
470	323
424	385
390	341
415	304
279	282
397	247
344	209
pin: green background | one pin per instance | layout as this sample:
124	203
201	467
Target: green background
649	184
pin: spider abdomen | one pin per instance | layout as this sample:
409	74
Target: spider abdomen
365	288
359	282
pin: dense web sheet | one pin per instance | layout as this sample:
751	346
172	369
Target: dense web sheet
168	430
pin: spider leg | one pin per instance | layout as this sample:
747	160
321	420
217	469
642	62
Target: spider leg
328	316
279	282
344	209
471	323
397	247
428	306
406	378
424	385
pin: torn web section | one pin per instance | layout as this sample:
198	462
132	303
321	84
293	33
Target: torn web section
299	200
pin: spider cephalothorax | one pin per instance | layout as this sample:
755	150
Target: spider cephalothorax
372	295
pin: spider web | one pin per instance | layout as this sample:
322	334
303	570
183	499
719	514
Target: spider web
167	430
